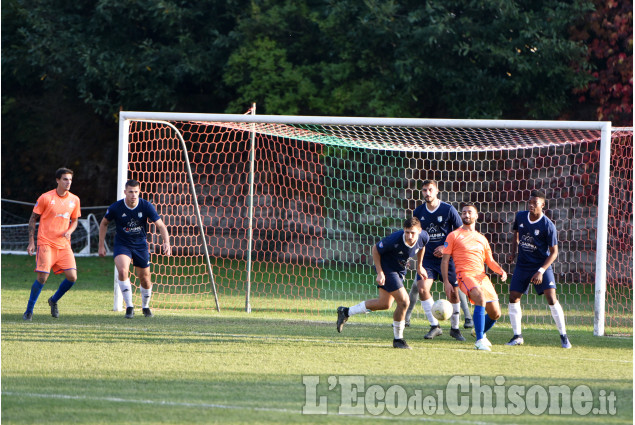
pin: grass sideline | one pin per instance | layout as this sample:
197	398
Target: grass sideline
92	366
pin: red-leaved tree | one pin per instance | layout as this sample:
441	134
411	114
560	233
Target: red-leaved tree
608	33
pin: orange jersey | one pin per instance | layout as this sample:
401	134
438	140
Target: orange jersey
470	251
55	215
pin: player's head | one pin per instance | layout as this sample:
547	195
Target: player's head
131	191
61	171
469	213
64	178
429	190
411	229
536	202
132	183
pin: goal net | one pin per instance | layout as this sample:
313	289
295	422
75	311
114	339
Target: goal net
290	206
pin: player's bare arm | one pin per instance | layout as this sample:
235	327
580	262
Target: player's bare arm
512	251
71	229
165	237
103	229
32	222
381	278
445	261
420	270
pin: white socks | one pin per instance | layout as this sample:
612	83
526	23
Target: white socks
397	328
126	291
146	294
558	317
456	315
358	309
427	308
515	315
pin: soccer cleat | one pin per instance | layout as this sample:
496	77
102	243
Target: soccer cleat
129	312
468	324
54	311
482	345
456	334
342	317
516	340
565	341
434	331
486	341
401	343
147	312
407	324
27	316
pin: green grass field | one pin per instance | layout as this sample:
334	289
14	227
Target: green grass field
92	366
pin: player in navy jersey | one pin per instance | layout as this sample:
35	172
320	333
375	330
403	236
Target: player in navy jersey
131	216
535	238
390	257
438	219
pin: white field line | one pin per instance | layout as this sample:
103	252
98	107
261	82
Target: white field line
230	407
317	340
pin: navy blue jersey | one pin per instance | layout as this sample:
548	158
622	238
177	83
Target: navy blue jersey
131	223
395	253
438	224
534	240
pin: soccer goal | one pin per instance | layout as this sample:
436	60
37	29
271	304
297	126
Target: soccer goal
279	213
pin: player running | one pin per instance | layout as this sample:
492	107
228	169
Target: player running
131	216
58	211
438	219
391	256
536	240
471	251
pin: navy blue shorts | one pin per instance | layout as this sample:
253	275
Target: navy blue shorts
393	282
140	257
434	272
521	279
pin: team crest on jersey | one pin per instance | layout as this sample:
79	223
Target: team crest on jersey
71	204
536	232
140	215
521	225
439	218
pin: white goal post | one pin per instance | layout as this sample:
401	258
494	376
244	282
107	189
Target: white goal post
372	130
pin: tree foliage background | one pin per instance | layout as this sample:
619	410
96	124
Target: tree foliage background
69	67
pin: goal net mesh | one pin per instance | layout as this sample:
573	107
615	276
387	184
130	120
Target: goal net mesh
323	195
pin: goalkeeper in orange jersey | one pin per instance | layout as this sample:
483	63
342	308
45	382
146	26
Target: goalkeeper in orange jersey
471	251
131	216
58	211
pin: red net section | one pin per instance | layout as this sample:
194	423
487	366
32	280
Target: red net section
320	196
619	274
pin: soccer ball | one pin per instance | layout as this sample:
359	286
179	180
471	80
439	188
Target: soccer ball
442	309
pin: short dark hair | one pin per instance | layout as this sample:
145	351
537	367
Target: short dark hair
432	182
132	183
411	222
538	194
469	204
61	171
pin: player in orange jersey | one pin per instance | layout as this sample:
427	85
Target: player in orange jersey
58	211
471	251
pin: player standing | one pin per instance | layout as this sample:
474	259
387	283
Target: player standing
131	216
438	219
536	240
390	257
58	211
471	251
